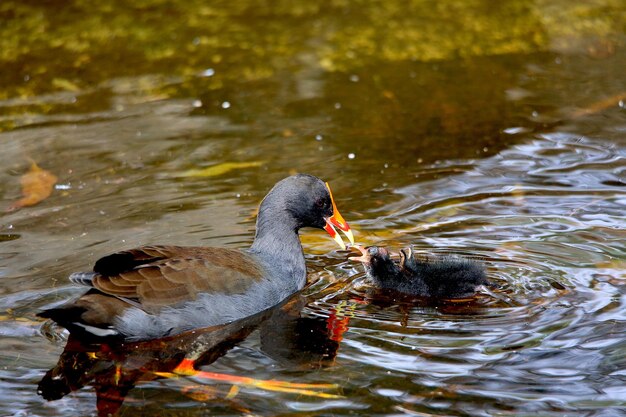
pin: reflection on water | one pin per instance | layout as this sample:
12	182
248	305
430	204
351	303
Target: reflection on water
514	156
114	370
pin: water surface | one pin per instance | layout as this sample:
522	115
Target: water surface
494	133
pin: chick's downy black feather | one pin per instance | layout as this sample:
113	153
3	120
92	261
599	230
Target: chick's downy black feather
435	277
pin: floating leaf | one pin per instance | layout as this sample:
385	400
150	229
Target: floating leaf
220	169
65	84
614	263
232	393
599	106
37	185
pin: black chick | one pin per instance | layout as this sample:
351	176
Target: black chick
443	278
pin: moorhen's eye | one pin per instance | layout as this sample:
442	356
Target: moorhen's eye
320	203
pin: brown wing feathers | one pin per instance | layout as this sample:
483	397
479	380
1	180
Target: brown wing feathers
129	259
164	275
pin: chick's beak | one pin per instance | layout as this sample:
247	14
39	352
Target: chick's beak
337	221
365	256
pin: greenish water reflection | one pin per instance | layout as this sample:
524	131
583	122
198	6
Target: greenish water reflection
48	46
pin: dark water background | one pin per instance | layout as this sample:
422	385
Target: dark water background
497	132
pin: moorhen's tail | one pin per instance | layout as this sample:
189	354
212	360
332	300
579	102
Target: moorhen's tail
65	315
77	316
83	278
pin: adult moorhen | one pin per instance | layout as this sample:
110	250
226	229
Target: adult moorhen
155	291
440	278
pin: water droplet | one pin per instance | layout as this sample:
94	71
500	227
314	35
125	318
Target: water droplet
319	137
515	130
351	155
67	186
621	104
386	165
26	78
238	195
535	114
485	149
354	78
226	105
337	106
138	133
209	72
197	103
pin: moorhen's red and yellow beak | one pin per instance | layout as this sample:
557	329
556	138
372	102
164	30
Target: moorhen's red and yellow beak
337	221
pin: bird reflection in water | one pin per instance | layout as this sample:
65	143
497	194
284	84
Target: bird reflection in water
114	369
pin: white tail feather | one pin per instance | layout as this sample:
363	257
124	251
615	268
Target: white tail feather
83	278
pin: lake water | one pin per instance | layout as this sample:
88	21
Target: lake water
496	133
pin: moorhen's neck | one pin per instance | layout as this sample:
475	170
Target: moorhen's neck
277	243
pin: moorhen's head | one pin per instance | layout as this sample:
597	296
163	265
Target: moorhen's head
308	202
377	261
